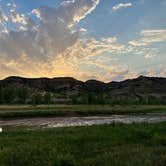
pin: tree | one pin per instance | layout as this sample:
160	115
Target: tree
37	99
47	98
22	94
100	99
9	94
1	96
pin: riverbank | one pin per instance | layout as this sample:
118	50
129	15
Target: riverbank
28	111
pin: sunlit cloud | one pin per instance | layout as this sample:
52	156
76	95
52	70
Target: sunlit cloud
37	13
149	56
3	17
89	47
83	30
149	37
121	5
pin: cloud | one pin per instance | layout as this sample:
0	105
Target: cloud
153	32
15	17
40	47
47	38
3	21
75	10
50	43
149	36
3	17
83	30
149	56
121	5
90	47
19	18
37	13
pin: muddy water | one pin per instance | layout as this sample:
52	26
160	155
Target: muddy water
84	121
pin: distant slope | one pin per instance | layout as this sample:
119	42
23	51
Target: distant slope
59	84
138	88
141	88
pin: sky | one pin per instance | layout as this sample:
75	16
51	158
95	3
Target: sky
108	40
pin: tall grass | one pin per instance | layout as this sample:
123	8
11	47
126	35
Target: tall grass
18	111
116	144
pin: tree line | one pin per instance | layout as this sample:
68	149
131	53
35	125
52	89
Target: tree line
25	95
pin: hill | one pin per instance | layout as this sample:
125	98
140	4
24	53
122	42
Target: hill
67	89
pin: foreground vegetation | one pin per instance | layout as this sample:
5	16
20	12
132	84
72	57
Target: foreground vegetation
15	111
116	144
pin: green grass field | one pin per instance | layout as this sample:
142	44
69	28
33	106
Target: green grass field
115	145
15	111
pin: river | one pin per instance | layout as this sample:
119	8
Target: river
84	121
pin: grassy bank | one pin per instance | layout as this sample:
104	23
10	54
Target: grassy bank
18	111
116	144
